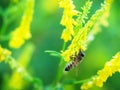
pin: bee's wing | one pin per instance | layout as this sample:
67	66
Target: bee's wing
77	68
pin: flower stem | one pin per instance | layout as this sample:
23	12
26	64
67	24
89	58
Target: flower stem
60	68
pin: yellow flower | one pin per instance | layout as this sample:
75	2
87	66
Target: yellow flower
79	41
87	85
4	53
22	33
19	73
67	18
110	68
86	34
101	21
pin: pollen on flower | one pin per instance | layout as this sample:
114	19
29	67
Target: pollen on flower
4	53
22	33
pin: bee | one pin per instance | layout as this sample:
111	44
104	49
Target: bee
75	60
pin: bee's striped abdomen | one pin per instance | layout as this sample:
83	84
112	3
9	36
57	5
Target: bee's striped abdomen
71	65
75	61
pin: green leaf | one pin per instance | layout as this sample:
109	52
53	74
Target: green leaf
53	53
71	81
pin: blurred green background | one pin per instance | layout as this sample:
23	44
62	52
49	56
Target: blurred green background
46	32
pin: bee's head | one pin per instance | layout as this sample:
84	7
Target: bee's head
82	53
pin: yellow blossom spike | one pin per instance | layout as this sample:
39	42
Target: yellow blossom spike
4	53
84	15
100	21
67	18
22	33
79	41
23	60
109	69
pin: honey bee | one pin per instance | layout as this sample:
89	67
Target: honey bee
75	60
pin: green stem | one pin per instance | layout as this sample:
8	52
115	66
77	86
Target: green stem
60	68
3	29
82	81
64	45
71	82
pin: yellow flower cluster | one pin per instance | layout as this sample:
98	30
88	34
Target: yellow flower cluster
110	68
100	21
79	41
84	14
22	33
4	53
19	73
103	19
67	18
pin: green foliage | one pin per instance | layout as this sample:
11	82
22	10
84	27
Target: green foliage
53	53
39	61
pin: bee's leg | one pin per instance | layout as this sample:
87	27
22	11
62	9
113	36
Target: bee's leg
72	57
82	53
